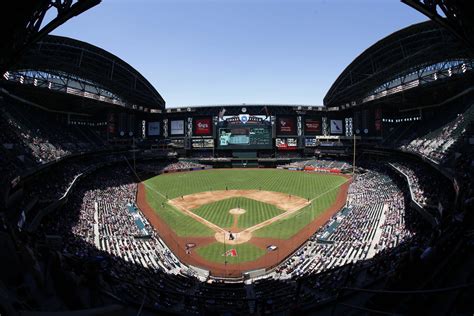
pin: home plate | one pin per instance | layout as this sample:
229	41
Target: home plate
239	238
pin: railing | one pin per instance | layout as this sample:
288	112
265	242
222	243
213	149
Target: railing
421	209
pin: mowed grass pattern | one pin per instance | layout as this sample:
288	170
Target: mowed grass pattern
255	212
305	185
215	252
292	182
182	224
289	226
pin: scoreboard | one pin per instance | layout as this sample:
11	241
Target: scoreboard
245	137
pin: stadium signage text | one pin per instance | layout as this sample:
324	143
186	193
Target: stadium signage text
286	126
244	119
202	126
312	126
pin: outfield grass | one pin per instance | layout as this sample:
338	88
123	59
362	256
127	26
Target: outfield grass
256	212
245	252
305	185
289	226
324	187
182	224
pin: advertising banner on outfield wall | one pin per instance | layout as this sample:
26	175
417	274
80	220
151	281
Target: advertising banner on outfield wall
177	127
286	126
154	129
202	126
312	127
315	169
336	127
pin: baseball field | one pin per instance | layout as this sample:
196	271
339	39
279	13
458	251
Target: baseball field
233	220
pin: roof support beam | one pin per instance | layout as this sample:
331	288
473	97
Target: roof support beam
458	16
21	21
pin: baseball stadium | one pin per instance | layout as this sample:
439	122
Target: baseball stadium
113	202
244	213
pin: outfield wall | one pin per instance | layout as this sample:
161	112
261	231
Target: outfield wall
236	272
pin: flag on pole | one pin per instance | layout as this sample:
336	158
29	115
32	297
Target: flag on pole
266	111
221	114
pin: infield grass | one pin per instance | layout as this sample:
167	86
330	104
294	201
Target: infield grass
255	212
321	187
182	224
287	227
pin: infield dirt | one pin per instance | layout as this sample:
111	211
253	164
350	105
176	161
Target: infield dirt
177	244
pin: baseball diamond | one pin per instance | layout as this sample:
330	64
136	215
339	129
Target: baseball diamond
242	209
231	158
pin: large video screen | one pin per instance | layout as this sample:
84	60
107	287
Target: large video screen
177	127
336	127
154	129
312	126
244	131
245	136
202	126
286	126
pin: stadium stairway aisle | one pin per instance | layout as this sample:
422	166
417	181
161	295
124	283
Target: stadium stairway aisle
378	233
96	226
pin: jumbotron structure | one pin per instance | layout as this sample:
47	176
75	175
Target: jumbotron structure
113	203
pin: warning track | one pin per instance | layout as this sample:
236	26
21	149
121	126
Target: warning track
285	247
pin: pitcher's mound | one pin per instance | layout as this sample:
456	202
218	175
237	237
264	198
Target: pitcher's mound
237	211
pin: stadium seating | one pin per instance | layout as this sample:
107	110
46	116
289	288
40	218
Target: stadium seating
317	164
372	222
31	136
97	221
434	138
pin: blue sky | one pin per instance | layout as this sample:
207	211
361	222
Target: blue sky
204	52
